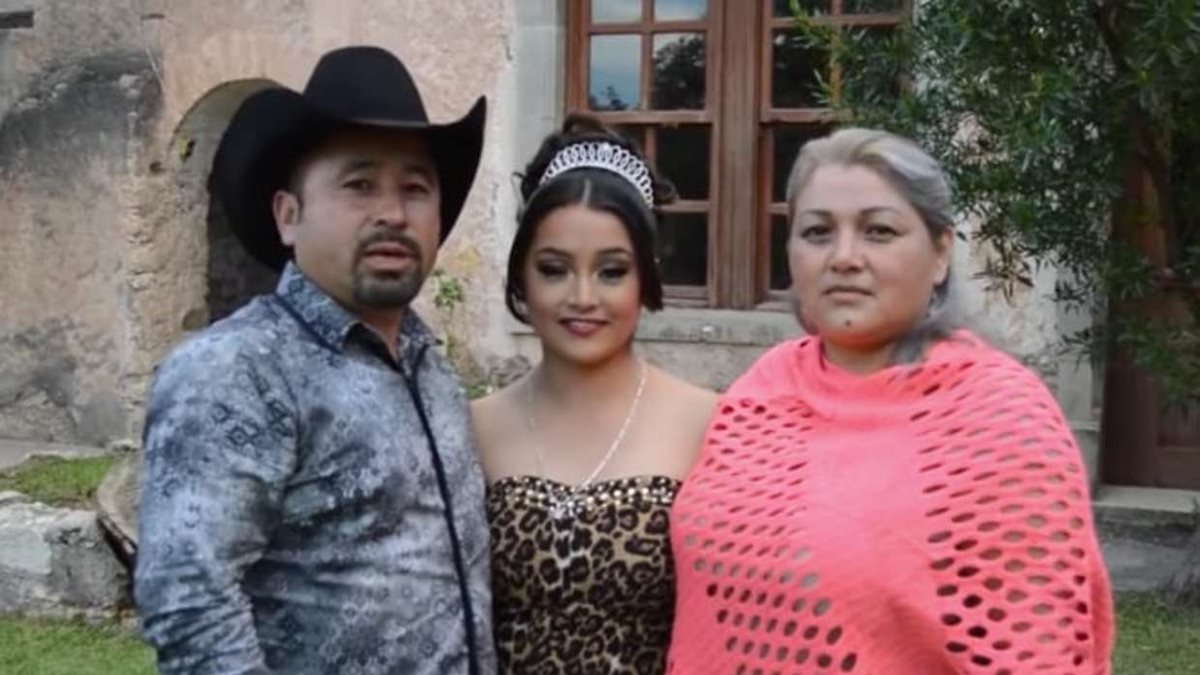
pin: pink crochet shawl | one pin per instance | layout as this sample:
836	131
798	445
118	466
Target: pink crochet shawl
921	520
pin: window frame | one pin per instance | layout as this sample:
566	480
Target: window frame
741	123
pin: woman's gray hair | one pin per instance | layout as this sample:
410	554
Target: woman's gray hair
921	181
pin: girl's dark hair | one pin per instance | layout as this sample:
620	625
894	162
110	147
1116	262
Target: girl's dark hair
596	189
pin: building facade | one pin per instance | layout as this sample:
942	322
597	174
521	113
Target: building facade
111	252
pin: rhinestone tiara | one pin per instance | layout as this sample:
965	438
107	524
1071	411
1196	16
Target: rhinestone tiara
607	156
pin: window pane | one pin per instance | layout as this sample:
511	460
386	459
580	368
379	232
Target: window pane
678	71
683	249
780	278
786	142
784	7
872	6
615	64
680	10
794	78
683	157
616	11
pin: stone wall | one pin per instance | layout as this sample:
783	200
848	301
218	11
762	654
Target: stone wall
109	114
76	99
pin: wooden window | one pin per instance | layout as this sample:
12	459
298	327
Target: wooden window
649	67
790	113
721	94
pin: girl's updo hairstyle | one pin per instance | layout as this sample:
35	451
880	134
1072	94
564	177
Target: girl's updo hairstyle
596	189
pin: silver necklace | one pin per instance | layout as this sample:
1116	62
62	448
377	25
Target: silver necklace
567	506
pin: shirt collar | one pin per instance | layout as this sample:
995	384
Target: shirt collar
334	323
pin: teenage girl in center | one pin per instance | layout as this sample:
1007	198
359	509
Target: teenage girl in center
585	453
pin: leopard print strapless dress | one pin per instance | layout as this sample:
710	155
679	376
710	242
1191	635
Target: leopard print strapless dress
582	578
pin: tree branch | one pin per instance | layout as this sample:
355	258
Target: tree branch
1149	145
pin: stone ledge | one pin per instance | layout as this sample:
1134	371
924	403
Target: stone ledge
1142	506
15	451
1144	533
56	563
8	497
707	326
714	326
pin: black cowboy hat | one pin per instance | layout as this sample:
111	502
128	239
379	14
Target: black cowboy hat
350	87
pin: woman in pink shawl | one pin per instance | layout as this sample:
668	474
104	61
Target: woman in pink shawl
890	495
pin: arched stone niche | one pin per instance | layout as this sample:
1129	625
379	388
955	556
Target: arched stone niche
231	277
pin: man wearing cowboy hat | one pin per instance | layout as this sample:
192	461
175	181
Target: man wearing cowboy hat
311	503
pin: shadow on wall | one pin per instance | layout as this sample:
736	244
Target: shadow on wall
232	277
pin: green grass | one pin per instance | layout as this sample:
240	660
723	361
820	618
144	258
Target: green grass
1154	638
58	648
57	481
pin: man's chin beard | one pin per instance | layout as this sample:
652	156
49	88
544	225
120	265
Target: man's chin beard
378	291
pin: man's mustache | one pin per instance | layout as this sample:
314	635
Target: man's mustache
389	236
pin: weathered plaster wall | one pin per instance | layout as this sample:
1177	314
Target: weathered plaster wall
1031	325
109	112
456	51
76	95
109	115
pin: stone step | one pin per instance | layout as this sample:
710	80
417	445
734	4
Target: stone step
13	451
1145	534
56	563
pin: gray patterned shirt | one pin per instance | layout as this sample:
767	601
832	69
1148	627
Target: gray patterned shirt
291	518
